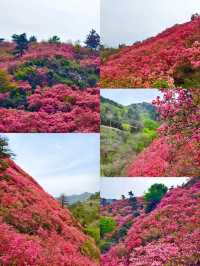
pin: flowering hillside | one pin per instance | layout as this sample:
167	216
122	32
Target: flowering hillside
51	87
176	151
167	236
34	229
170	59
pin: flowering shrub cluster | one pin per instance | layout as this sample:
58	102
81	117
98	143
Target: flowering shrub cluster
179	136
171	59
56	109
169	235
50	88
34	229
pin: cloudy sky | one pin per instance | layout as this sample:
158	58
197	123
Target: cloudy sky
113	188
69	19
129	21
60	163
129	96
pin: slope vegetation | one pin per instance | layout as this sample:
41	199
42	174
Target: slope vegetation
125	132
34	229
170	59
51	87
176	150
167	236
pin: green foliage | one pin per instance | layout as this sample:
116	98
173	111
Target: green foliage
186	76
21	43
126	127
24	72
5	152
94	232
120	146
107	225
5	82
32	39
89	249
17	97
59	70
93	40
154	195
54	39
105	245
87	213
161	84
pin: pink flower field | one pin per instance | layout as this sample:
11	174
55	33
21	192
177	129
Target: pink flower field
51	87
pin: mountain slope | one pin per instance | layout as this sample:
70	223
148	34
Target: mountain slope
34	229
125	131
172	58
52	87
115	115
168	236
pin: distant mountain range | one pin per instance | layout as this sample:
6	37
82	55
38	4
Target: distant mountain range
78	197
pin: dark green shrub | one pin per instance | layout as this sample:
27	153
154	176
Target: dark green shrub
153	196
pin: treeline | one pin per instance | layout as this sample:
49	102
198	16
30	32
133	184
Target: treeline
22	42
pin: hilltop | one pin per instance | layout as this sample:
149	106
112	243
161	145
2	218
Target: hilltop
170	59
34	228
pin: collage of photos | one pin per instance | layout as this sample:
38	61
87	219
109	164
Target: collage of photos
100	133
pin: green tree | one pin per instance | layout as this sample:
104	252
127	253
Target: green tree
107	225
5	151
21	43
54	39
93	40
32	39
153	196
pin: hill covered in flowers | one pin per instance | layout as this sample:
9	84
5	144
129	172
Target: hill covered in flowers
170	59
176	150
34	228
50	87
166	236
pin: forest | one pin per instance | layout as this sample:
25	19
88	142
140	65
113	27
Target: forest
49	86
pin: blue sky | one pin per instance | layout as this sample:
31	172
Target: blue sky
69	19
129	96
60	163
129	21
113	188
